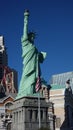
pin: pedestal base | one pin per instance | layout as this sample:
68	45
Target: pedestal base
25	114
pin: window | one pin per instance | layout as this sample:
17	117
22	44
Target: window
8	105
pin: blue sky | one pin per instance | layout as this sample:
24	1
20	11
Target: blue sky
52	20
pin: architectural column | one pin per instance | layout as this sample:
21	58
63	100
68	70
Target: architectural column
23	118
19	120
15	117
13	120
18	115
44	114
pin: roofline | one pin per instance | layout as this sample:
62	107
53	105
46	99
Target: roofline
6	98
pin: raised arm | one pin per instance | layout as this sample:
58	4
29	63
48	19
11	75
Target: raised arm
25	31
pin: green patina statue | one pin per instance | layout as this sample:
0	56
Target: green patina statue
31	61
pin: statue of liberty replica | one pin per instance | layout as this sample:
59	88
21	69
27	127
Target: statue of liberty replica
29	113
31	62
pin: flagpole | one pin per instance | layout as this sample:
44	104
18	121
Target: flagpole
37	90
39	110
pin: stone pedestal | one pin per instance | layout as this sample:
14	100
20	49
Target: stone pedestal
25	114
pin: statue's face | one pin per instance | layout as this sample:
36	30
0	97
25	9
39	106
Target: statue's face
31	37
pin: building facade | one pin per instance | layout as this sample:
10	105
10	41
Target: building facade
8	88
8	76
3	56
62	97
5	112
